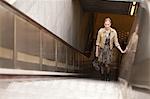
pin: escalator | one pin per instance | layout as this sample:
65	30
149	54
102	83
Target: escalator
30	47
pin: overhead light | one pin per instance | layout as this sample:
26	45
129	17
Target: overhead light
134	3
132	10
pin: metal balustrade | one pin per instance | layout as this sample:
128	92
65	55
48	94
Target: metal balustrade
25	44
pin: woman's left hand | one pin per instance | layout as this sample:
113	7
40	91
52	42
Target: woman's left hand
125	50
122	52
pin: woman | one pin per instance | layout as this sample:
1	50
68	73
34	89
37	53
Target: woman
106	37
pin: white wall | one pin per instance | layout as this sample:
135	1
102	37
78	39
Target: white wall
65	18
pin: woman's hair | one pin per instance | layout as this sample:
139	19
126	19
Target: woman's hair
107	19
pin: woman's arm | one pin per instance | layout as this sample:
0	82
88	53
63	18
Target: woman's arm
120	49
96	52
117	43
97	43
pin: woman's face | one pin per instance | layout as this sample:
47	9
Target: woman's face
107	24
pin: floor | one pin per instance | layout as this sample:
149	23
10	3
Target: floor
66	88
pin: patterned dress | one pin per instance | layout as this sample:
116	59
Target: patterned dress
105	53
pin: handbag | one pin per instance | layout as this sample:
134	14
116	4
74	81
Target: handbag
95	64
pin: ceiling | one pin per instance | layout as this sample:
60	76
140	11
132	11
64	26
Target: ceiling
103	6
